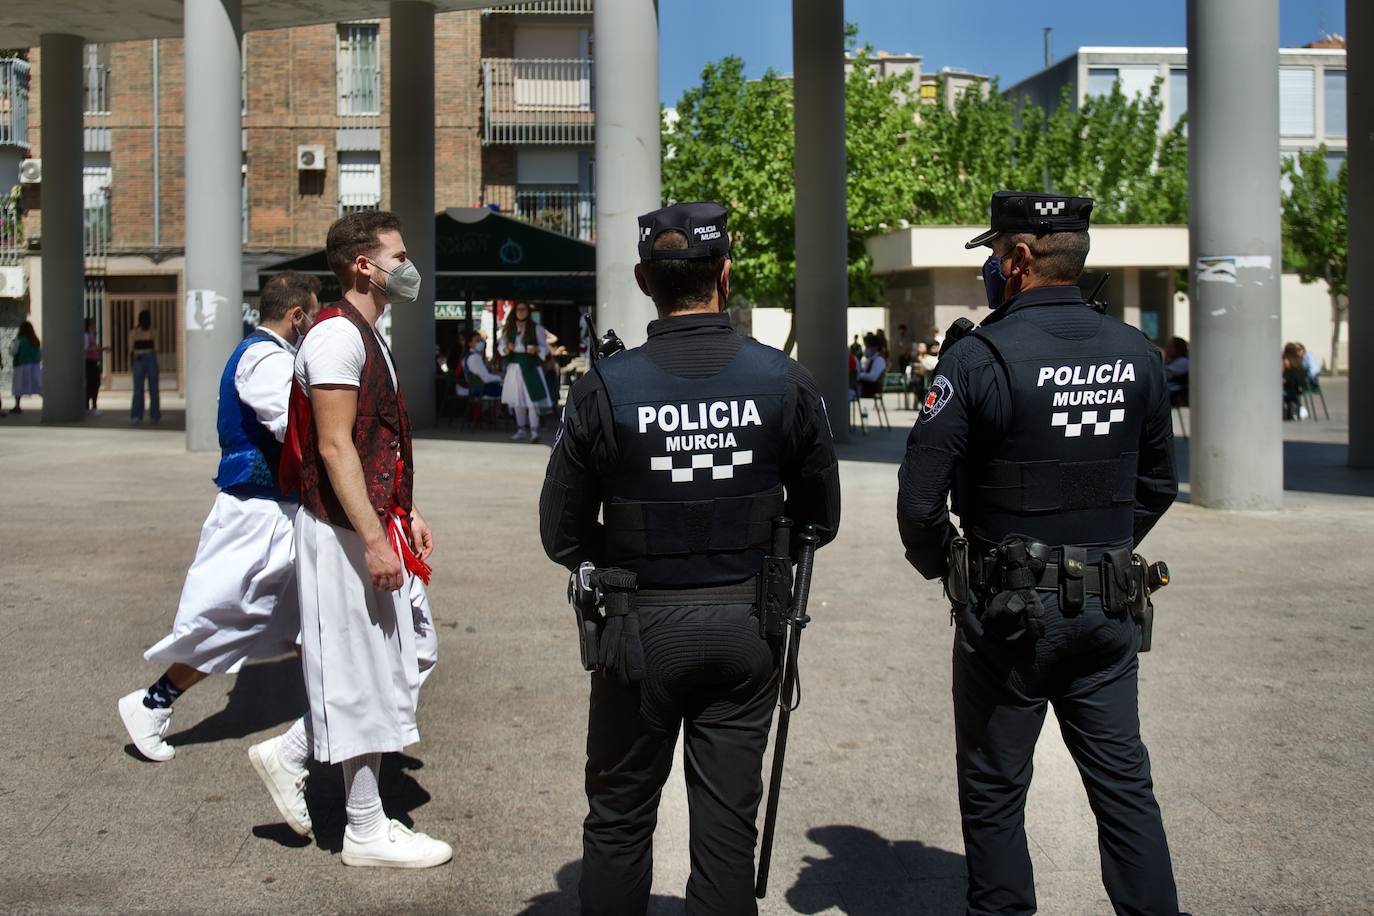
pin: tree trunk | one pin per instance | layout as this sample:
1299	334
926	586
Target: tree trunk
791	334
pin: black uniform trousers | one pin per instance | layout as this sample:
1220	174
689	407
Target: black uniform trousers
1085	665
708	672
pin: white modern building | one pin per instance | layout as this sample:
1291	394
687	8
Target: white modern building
1312	88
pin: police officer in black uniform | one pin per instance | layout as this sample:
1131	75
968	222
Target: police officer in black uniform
1051	423
687	448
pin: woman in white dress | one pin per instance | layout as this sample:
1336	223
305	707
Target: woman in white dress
525	392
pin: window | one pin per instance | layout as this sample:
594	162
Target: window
359	69
360	180
96	178
1178	94
1100	80
1134	80
1334	160
96	79
1334	82
1297	90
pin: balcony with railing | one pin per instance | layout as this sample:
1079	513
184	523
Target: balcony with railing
537	101
566	210
14	102
544	8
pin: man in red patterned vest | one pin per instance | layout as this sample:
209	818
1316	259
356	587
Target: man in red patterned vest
367	638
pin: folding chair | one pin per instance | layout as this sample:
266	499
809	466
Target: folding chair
1311	387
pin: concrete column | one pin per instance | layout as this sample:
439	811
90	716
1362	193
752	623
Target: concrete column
1236	450
63	271
1359	87
628	179
821	310
412	197
214	233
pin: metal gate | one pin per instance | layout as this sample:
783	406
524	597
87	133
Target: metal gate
122	313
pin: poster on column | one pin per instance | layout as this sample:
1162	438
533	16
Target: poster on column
202	305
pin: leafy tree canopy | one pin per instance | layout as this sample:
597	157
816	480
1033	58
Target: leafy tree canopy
731	140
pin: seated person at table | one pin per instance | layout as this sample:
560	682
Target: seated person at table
481	381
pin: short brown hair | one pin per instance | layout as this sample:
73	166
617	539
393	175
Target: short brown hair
355	234
1059	256
284	292
680	281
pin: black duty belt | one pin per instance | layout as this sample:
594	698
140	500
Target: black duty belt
1092	579
745	592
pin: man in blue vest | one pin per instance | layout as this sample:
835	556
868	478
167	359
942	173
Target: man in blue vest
1051	423
672	462
239	598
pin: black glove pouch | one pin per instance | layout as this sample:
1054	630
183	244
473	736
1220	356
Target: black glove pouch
1116	582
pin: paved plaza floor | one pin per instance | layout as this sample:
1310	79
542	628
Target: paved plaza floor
1257	705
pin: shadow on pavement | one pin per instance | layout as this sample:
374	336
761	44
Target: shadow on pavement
1308	467
564	902
867	874
264	695
324	796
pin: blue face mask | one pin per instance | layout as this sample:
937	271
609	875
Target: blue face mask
994	281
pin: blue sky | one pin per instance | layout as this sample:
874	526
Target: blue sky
999	37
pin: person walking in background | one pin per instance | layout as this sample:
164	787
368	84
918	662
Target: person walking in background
903	346
872	367
90	345
526	391
1176	368
27	357
143	346
1294	378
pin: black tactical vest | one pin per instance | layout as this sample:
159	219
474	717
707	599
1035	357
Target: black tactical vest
697	483
1065	472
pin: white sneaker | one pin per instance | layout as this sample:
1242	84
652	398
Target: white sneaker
285	785
146	727
1302	413
395	846
519	434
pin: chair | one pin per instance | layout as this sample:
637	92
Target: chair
1179	400
478	402
896	381
857	412
1311	391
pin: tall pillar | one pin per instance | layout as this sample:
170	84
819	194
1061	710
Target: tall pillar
1236	451
820	311
628	178
214	232
64	281
1359	88
412	197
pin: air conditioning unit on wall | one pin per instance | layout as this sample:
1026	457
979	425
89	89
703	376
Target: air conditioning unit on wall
12	282
310	157
31	171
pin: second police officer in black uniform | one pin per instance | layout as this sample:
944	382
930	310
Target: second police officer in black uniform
1051	423
672	462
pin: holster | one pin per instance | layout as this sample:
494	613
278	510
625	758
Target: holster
585	600
957	587
774	595
1142	608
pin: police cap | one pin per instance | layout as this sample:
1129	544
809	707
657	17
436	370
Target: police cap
703	223
1015	212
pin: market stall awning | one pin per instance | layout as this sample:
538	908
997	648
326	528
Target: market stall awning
484	255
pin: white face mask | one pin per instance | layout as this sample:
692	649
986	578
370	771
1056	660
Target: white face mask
402	282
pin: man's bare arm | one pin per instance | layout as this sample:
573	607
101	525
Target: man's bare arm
336	410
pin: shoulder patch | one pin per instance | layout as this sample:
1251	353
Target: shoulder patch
941	390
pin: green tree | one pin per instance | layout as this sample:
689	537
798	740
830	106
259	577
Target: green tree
1315	230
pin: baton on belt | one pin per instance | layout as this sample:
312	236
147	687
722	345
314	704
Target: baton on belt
796	621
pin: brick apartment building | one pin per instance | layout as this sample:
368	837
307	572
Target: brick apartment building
514	130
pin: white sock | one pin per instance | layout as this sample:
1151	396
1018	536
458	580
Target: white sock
295	744
534	418
364	805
